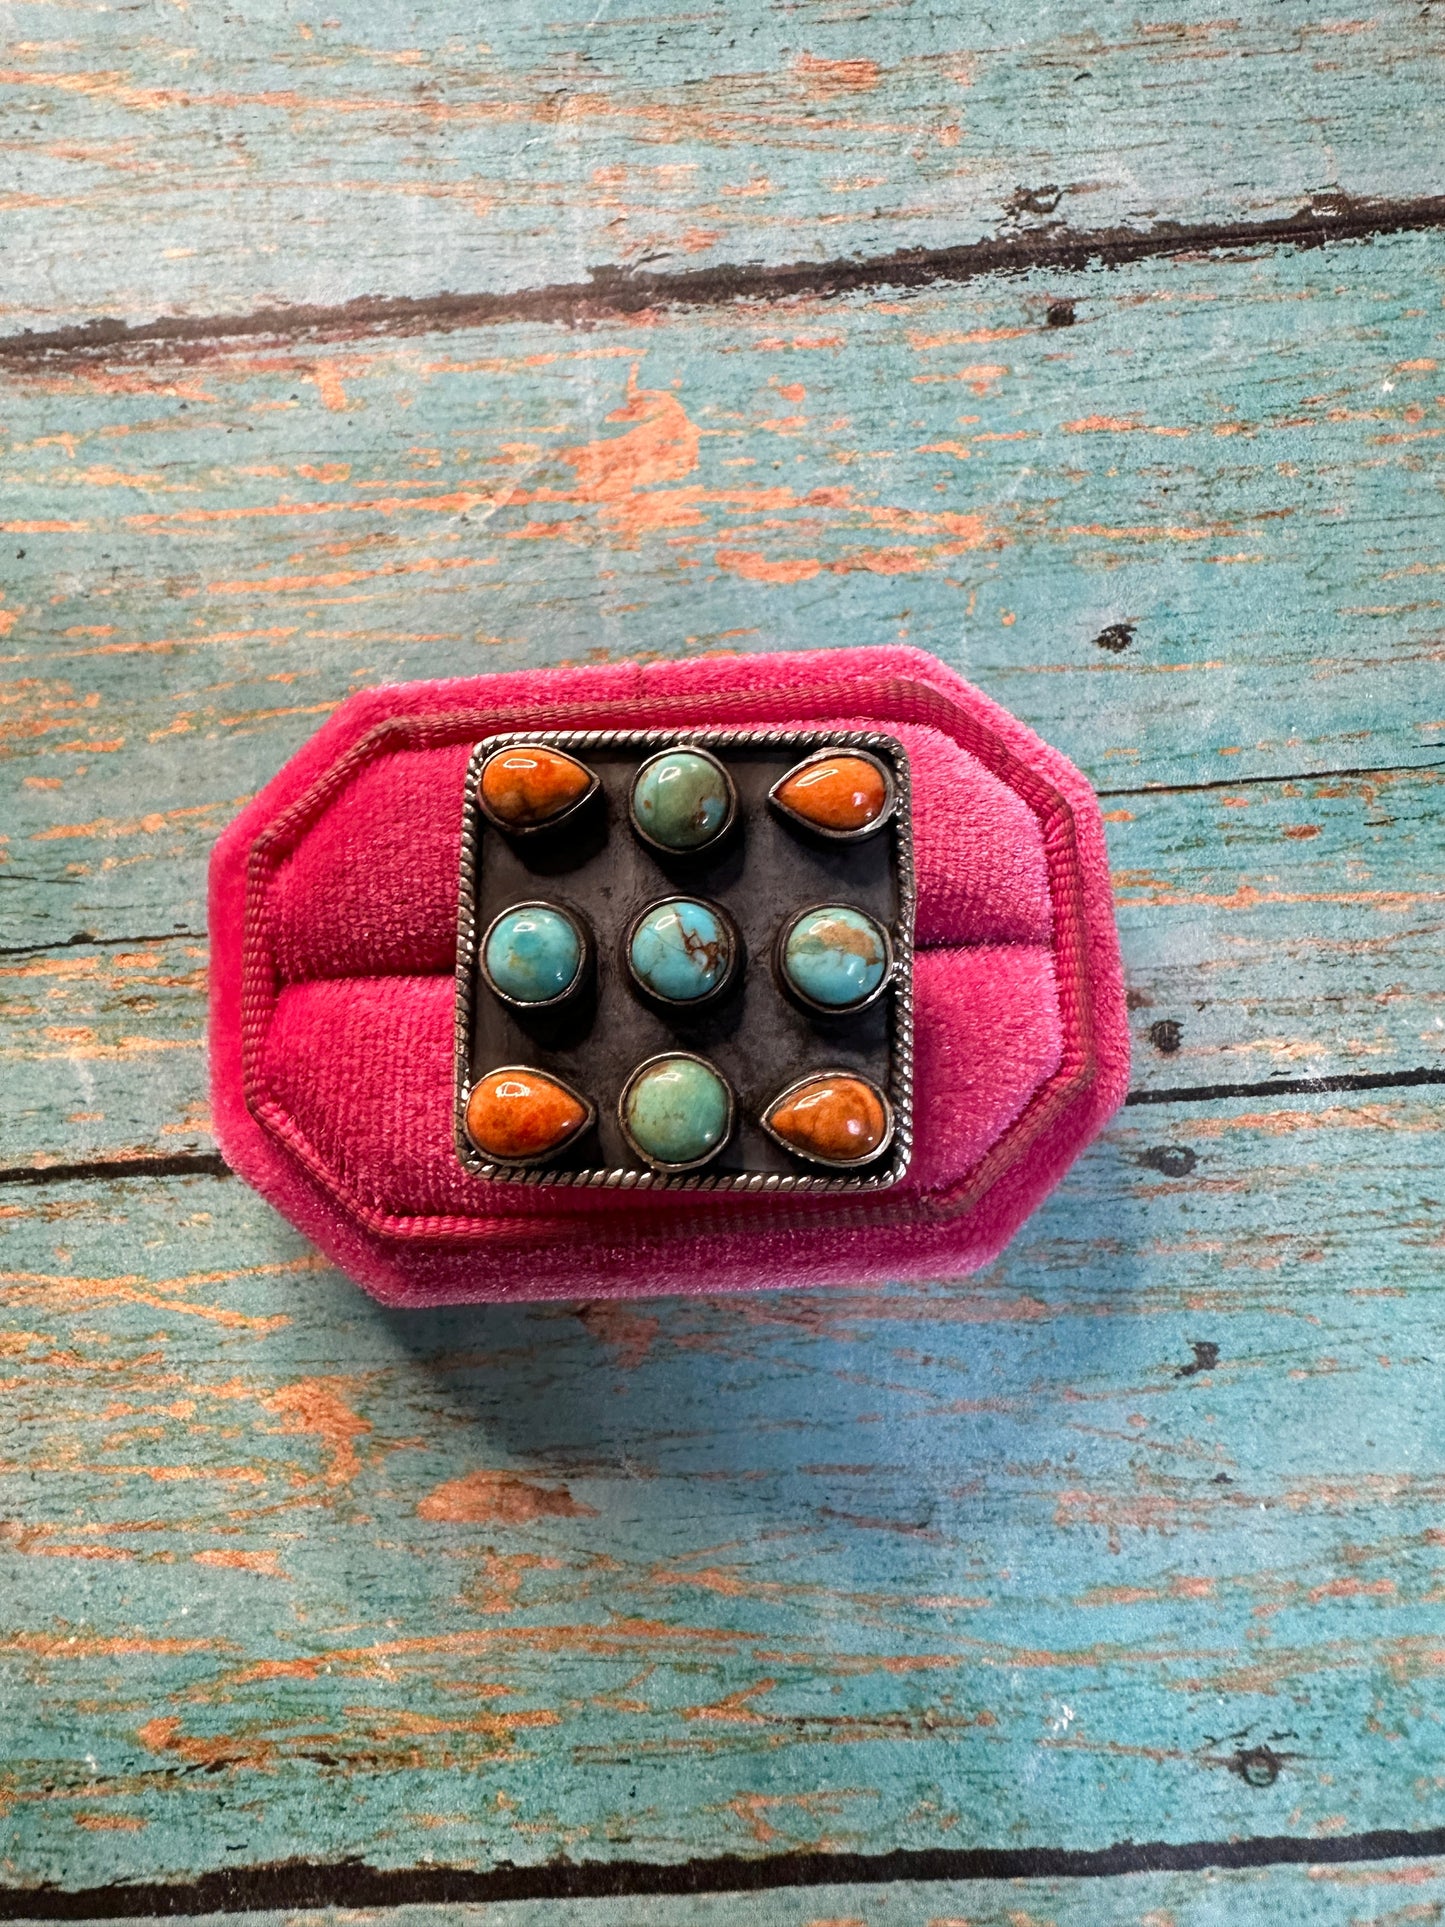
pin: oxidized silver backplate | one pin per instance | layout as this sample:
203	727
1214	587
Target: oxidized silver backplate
762	1041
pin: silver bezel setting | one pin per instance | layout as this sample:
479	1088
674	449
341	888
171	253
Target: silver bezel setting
542	1157
812	1157
584	962
548	823
792	816
709	997
626	1177
697	849
800	997
673	1057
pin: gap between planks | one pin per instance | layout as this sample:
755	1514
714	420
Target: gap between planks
353	1883
1321	221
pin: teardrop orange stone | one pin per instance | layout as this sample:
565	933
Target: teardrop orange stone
517	1115
839	793
530	784
839	1120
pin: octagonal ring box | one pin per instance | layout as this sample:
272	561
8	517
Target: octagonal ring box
350	1016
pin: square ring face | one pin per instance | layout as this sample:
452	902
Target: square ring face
690	958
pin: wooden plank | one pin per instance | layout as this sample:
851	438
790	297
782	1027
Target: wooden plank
102	1050
1391	1891
1193	538
175	162
1289	929
1010	1562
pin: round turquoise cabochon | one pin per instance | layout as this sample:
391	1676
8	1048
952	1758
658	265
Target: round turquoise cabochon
835	956
533	954
677	1110
681	950
682	799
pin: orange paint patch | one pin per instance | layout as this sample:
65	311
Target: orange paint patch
752	566
166	1294
733	1708
960	337
500	1579
980	377
660	447
1194	1588
881	562
499	1498
826	79
76	1646
110	1822
1352	1589
151	825
1147	533
314	1405
1116	425
410	1726
631	1334
327	377
344	578
164	1735
263	1562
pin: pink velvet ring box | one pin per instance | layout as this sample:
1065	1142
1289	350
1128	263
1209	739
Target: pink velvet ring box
334	904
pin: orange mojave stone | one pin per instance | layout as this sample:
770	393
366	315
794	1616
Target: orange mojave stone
839	1120
840	793
517	1115
530	784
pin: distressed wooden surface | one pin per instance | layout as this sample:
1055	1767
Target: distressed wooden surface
1192	538
1136	1537
161	160
1394	1893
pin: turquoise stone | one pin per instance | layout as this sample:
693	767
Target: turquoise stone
681	950
835	956
681	800
533	954
677	1111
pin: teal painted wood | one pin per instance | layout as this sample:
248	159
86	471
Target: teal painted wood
1388	1894
1231	469
1289	929
1035	1559
169	162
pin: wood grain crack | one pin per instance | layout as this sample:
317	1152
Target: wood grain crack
1321	220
